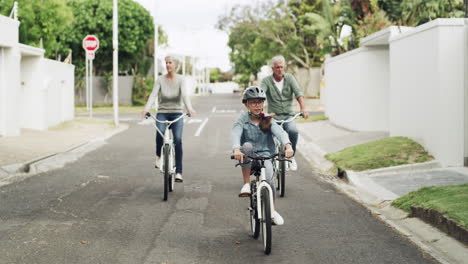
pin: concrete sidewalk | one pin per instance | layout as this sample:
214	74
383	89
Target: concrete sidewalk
375	189
36	151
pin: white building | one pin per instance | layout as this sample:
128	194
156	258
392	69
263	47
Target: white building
34	92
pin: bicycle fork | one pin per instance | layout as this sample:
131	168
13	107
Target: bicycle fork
263	183
168	142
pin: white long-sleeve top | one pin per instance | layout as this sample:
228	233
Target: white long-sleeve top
169	95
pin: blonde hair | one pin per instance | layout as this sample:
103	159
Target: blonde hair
175	59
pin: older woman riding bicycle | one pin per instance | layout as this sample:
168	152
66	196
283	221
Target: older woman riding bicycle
169	91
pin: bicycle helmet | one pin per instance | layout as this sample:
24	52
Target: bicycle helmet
253	92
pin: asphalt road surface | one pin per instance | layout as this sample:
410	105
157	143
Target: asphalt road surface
107	207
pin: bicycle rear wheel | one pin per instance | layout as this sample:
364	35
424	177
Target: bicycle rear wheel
254	221
266	220
166	171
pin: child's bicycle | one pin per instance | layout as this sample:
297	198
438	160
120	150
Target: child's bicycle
281	164
261	202
167	166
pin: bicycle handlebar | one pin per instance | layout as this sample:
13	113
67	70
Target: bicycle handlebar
259	158
290	119
148	115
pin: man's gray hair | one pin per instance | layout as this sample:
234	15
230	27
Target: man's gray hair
277	59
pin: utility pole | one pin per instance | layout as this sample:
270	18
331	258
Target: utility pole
156	40
466	8
115	66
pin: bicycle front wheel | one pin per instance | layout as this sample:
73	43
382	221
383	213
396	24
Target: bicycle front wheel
282	178
266	220
171	170
166	171
254	221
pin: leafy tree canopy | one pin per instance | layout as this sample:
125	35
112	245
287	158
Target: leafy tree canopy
45	19
136	31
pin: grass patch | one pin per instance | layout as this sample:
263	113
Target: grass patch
108	109
312	119
381	153
451	201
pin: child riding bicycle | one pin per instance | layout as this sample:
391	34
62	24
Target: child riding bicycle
252	135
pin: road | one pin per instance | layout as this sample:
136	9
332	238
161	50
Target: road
107	208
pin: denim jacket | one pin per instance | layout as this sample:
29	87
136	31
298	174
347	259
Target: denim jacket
244	130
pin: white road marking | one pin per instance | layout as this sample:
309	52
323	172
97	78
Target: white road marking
146	122
200	128
194	121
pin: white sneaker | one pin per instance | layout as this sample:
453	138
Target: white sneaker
178	178
157	162
293	164
245	191
277	218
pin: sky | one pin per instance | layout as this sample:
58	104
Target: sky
190	26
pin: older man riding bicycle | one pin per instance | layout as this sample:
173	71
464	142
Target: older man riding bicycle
280	87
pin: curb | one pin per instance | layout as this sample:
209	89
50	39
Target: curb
434	164
20	171
362	180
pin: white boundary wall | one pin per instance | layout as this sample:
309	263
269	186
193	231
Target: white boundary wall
34	92
356	89
9	76
428	85
410	82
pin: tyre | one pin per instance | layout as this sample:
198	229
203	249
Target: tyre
166	171
171	170
254	221
266	220
282	178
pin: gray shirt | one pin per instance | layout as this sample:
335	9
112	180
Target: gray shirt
244	130
169	95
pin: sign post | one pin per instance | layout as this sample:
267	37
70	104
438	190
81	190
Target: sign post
115	61
90	45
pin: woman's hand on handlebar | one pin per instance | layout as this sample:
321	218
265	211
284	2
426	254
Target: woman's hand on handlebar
288	152
143	114
238	155
192	113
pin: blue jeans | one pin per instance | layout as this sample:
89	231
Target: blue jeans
177	129
292	131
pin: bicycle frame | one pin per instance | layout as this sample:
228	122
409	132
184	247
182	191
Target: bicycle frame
263	183
167	139
281	124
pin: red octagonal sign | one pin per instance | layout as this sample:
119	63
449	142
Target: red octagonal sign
91	43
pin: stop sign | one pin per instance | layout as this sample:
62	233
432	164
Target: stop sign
91	43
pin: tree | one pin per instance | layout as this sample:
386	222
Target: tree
328	24
257	34
44	20
136	30
417	12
